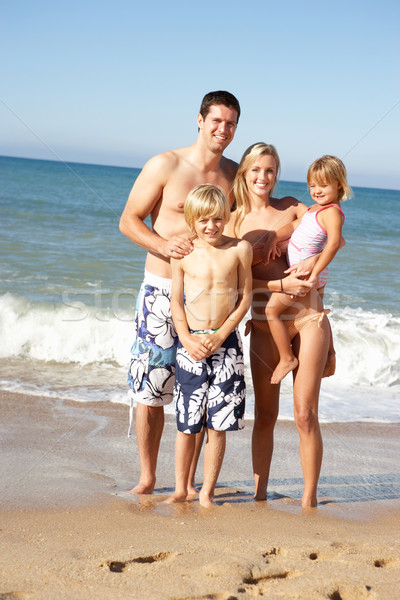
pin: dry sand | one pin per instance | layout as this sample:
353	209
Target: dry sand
69	529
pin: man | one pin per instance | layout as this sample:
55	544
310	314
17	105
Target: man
160	191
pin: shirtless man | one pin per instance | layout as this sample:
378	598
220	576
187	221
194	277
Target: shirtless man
211	293
160	191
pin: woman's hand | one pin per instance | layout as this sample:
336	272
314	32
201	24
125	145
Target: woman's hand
296	286
305	266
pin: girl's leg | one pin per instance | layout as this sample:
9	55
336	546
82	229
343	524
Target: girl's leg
214	452
288	362
263	359
312	344
184	451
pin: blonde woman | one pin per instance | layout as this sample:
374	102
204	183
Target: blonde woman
256	219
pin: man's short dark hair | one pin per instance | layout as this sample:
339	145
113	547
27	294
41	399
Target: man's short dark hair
219	97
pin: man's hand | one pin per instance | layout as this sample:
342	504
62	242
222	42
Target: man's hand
177	247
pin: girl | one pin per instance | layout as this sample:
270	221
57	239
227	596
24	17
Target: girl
319	230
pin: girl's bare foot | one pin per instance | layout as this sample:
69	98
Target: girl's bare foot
283	368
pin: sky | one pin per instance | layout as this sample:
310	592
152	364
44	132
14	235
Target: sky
116	82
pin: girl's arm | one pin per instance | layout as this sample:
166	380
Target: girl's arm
191	343
331	220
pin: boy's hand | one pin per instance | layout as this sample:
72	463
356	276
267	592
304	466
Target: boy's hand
194	346
212	341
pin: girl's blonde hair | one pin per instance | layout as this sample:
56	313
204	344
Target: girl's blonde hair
330	169
251	155
205	200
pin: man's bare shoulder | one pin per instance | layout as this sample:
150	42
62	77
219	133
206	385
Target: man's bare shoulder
229	167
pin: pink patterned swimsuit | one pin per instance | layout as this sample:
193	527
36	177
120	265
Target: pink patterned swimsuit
308	239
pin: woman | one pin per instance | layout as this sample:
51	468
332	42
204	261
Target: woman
257	216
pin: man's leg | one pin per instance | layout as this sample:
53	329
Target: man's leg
149	428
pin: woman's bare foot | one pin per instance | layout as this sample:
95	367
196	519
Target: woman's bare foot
309	502
206	500
330	365
282	369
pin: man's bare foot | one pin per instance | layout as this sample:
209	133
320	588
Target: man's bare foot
175	498
282	369
206	500
330	365
143	488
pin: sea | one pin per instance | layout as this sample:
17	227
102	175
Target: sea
69	282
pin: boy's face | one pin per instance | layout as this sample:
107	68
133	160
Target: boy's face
210	229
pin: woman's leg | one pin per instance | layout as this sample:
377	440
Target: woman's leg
263	359
312	345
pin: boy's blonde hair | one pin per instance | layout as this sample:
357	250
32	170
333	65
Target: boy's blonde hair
205	200
330	169
250	156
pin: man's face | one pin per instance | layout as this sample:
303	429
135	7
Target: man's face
219	126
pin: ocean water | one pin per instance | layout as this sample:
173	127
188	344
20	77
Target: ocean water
69	282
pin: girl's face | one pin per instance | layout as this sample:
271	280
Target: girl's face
326	193
260	176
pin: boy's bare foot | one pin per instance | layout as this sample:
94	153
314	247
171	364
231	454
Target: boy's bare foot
192	490
330	365
143	488
282	369
175	498
206	500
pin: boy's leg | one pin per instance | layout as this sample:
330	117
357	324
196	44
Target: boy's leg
288	362
214	452
192	474
184	451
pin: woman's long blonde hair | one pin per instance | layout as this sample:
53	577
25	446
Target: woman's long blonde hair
251	155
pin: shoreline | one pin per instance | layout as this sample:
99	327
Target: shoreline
70	528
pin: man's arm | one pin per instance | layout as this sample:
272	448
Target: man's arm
192	343
146	192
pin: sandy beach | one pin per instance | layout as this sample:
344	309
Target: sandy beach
70	529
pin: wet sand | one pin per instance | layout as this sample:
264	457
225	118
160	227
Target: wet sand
70	529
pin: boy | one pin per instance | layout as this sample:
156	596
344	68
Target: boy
211	293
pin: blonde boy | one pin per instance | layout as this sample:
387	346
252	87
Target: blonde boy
211	293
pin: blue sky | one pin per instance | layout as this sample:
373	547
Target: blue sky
116	82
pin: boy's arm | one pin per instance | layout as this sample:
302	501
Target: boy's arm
332	221
215	340
192	343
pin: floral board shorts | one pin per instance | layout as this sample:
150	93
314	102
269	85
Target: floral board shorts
211	392
151	373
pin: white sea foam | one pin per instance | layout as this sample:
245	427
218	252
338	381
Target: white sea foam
366	385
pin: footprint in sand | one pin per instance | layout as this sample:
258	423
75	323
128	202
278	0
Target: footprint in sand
118	566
